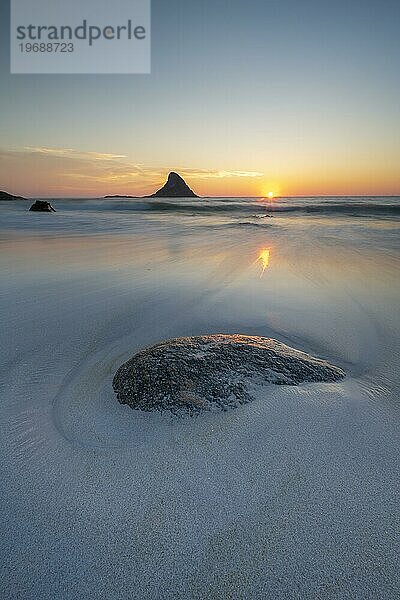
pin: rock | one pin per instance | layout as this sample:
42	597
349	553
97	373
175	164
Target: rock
213	372
7	196
42	206
175	187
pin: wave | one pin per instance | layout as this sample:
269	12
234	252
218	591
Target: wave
240	224
350	209
246	209
256	209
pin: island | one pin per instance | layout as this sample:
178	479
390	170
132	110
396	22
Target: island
7	196
175	187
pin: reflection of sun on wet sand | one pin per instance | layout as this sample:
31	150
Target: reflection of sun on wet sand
263	259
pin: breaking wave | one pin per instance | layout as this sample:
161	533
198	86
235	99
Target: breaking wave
254	208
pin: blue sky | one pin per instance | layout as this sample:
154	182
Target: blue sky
293	92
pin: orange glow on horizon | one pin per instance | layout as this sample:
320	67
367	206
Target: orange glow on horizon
41	172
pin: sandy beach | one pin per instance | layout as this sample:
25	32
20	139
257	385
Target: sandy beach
293	495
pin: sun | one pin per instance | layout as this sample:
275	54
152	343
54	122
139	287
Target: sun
270	189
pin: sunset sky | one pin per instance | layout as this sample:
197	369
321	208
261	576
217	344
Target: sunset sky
298	97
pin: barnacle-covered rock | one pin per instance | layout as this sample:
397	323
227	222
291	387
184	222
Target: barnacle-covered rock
213	372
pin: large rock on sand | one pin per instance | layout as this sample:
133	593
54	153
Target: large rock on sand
176	187
213	372
42	206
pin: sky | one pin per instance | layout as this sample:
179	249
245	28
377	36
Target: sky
294	97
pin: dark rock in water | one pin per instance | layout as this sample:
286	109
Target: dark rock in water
42	206
176	187
7	196
213	372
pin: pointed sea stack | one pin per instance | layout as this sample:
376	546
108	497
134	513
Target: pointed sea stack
175	187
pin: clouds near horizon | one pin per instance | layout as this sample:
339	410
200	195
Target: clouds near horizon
41	171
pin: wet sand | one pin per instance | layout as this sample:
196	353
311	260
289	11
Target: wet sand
294	495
